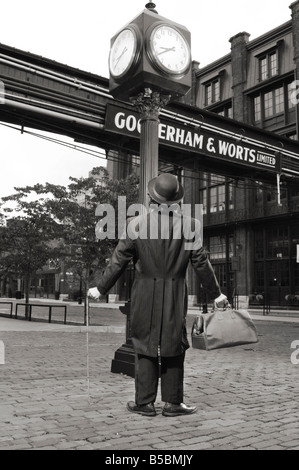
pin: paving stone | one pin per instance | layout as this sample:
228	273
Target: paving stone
247	397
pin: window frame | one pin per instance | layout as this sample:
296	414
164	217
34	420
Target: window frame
216	85
265	69
212	92
225	111
217	194
278	101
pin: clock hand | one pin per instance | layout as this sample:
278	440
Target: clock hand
120	56
166	49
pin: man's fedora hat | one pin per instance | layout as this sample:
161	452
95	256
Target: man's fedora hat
166	189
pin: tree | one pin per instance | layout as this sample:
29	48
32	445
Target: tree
25	242
66	215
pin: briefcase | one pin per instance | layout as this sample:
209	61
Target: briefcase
223	329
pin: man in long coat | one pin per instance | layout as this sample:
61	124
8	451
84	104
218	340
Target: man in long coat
161	243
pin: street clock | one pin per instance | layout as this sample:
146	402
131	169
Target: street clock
125	52
168	50
150	52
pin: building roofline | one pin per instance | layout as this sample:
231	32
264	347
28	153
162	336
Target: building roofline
57	66
283	28
215	64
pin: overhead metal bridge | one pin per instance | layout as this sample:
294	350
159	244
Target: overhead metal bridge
42	94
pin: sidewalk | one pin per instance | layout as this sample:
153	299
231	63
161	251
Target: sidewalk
112	320
57	391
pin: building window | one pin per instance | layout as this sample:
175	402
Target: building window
259	275
263	68
273	64
220	247
271	195
213	200
216	194
212	92
275	269
225	111
259	245
278	242
274	102
221	252
292	136
279	100
268	104
278	273
217	247
257	109
203	193
231	196
203	200
271	103
268	65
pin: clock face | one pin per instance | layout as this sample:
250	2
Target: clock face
123	52
169	50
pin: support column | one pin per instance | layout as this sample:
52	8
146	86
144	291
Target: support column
149	105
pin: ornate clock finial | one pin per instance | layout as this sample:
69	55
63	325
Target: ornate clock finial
151	6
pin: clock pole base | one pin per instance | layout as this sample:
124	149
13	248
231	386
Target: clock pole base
124	361
124	357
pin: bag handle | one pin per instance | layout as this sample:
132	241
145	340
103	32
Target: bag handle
220	313
197	327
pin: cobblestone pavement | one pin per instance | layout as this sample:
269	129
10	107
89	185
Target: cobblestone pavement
247	396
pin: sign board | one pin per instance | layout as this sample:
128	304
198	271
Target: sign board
127	122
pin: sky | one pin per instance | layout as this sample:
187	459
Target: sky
78	34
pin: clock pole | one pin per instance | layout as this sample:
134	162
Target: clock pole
141	75
149	105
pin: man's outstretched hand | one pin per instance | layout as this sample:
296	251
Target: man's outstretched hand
94	293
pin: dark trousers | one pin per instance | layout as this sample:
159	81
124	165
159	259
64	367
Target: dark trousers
147	372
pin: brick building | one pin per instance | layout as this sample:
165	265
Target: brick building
251	230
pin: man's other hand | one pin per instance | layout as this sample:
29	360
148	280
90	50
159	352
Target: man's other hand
221	301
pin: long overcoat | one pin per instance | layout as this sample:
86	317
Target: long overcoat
159	296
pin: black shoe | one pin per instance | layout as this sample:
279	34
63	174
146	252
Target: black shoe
171	409
144	410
